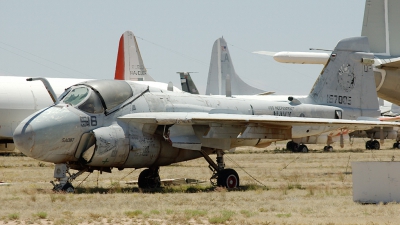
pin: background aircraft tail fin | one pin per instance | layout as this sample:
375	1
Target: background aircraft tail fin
129	64
220	66
380	25
187	83
347	81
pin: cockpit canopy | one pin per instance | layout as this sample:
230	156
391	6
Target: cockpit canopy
92	93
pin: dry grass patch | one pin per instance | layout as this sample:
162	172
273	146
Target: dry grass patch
276	188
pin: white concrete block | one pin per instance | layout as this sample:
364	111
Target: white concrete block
375	182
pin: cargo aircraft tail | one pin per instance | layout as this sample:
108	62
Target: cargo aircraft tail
220	66
129	64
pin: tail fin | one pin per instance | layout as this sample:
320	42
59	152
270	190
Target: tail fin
187	83
220	66
129	61
380	25
347	81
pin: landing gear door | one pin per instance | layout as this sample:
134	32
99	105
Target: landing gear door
338	114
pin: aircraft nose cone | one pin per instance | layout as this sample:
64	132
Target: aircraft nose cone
24	138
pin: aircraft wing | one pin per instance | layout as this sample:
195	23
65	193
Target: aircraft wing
192	130
200	118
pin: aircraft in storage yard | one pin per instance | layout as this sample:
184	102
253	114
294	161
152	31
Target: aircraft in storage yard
105	124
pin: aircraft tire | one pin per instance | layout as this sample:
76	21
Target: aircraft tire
368	145
68	188
292	146
303	148
376	145
228	178
148	180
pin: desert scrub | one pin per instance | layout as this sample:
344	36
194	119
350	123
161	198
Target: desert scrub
223	217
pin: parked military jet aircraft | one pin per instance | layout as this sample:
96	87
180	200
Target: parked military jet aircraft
105	124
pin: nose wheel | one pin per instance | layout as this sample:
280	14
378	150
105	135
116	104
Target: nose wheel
64	178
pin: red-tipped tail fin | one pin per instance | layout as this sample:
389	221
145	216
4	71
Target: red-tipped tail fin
129	64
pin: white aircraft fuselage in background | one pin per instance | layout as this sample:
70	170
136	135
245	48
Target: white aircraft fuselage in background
20	98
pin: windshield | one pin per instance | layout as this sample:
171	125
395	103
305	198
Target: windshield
75	96
92	104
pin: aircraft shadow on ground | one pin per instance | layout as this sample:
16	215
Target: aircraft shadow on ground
166	189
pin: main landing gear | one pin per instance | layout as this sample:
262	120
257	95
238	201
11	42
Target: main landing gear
372	144
328	148
396	144
294	147
64	178
221	177
149	178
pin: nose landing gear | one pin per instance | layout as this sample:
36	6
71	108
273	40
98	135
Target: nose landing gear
64	179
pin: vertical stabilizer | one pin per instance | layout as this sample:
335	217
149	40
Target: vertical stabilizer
129	61
220	66
380	25
347	81
187	83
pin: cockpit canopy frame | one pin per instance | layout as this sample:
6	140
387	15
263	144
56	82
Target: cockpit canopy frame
108	93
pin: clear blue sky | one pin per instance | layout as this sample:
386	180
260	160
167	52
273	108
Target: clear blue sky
80	38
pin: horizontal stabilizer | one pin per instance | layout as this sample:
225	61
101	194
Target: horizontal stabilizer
298	57
393	63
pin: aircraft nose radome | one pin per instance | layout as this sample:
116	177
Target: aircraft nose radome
24	138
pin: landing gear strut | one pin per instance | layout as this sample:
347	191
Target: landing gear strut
221	177
149	178
64	182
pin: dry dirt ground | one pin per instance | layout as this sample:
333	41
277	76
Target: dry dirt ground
277	187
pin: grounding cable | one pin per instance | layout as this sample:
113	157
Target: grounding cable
290	162
83	180
347	166
237	165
